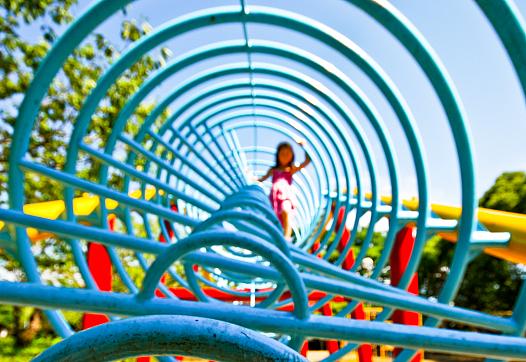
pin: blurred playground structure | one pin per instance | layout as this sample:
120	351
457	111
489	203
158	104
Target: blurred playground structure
216	269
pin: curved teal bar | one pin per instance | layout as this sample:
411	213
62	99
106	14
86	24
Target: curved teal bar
191	233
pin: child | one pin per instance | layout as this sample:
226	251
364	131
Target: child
282	193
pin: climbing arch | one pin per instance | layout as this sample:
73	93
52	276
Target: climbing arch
185	180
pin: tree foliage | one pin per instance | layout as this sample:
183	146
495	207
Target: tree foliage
19	59
507	194
498	289
490	284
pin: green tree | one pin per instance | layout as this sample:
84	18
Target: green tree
499	287
507	194
490	284
19	59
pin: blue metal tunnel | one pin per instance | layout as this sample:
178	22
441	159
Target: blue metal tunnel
223	222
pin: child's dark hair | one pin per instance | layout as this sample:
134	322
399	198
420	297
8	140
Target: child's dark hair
281	146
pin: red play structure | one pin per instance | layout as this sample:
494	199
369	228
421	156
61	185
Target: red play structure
100	265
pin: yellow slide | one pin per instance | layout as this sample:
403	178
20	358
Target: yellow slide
493	220
82	206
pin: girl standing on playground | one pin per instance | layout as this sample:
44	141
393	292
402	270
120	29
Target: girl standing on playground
282	192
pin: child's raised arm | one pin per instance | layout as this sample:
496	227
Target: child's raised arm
305	162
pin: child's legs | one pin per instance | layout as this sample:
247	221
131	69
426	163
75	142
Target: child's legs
285	215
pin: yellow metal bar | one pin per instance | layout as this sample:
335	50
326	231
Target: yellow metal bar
493	220
82	206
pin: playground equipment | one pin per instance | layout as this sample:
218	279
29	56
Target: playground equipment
192	193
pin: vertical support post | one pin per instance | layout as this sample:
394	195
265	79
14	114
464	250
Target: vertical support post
305	349
158	293
170	233
365	351
99	264
332	345
399	259
162	239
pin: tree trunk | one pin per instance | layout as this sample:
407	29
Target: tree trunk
24	336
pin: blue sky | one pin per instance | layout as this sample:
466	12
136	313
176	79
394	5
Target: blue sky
458	32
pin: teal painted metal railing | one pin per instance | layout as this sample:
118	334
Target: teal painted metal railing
197	160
